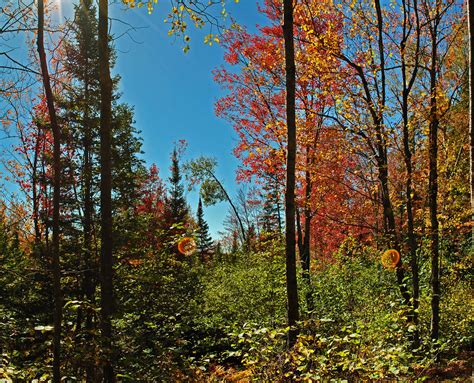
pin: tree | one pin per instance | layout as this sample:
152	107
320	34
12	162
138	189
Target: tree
152	202
198	14
443	84
202	171
77	103
55	255
470	23
204	240
434	122
82	106
255	106
369	94
106	247
271	201
177	210
290	234
408	82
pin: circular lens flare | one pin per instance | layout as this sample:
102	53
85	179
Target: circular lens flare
187	246
390	259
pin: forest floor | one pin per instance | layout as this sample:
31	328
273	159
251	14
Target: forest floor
458	370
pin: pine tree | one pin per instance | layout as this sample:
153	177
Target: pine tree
80	109
81	104
204	240
271	218
80	113
177	210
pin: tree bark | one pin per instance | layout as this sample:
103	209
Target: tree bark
470	20
55	256
304	236
290	238
407	83
106	255
89	262
34	189
433	180
305	254
306	260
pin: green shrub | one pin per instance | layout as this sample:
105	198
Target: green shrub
249	289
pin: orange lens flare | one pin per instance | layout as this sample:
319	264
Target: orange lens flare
135	262
390	259
187	246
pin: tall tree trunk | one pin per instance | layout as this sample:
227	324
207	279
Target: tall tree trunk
55	256
306	259
304	234
305	254
34	189
280	224
470	20
87	225
407	83
304	248
410	221
106	255
290	240
299	234
433	180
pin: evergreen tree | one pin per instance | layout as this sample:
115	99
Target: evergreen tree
80	106
204	240
271	216
79	111
81	115
177	210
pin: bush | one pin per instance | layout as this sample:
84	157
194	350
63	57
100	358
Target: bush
250	288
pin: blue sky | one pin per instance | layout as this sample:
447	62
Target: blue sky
174	93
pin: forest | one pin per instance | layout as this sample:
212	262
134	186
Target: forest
346	250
